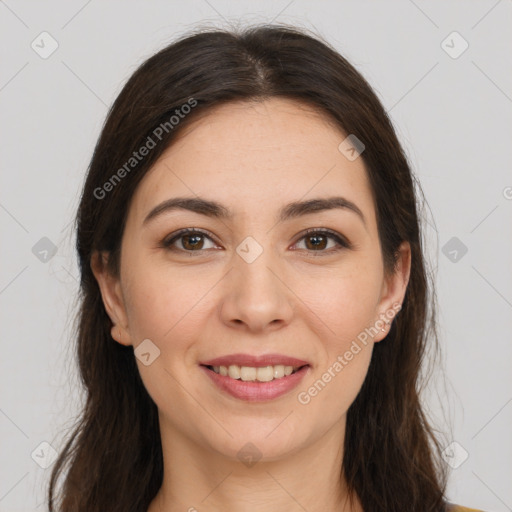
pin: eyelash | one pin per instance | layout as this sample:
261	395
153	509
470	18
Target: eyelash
342	242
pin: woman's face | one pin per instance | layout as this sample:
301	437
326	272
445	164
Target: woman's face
253	281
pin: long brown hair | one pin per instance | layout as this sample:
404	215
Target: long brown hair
113	460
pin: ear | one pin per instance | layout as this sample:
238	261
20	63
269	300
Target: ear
113	300
393	292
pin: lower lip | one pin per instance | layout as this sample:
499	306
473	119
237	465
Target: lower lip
256	391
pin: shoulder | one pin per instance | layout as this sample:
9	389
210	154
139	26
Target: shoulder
457	508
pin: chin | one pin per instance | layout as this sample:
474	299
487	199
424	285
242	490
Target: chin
253	441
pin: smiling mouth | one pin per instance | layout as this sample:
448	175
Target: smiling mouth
253	374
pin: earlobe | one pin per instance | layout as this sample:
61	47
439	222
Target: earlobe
111	294
117	334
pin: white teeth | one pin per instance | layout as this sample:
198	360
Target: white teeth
251	374
265	374
234	371
247	373
278	371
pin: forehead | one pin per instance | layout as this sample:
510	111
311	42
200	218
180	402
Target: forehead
256	155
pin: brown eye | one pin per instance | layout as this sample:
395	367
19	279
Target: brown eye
192	242
187	240
318	241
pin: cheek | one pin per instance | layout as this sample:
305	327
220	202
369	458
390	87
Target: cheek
160	304
343	299
344	351
341	308
166	309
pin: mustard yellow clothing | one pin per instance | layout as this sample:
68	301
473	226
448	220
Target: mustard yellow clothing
458	508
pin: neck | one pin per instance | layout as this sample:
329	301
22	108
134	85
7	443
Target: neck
199	479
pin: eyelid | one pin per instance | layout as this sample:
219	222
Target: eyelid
341	241
176	235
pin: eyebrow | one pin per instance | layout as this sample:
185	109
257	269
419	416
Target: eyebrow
216	210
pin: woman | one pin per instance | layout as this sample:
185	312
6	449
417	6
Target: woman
255	306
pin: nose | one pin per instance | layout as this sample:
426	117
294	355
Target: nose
256	296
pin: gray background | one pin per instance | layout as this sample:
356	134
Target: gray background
453	116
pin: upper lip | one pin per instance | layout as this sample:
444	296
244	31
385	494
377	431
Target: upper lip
255	361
